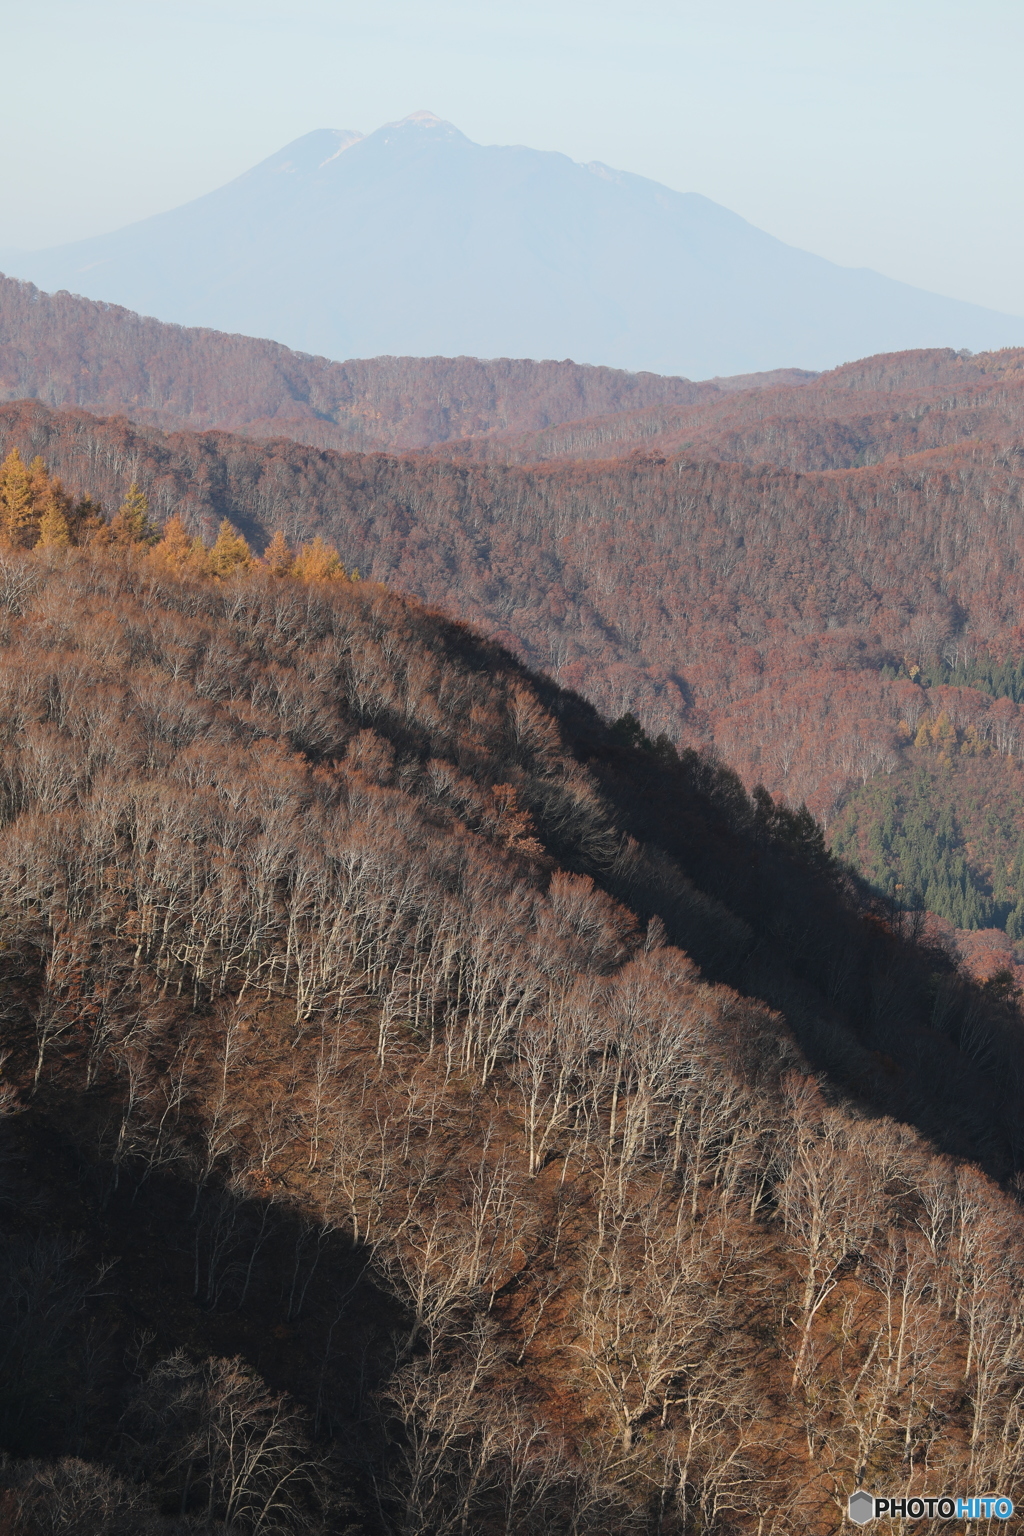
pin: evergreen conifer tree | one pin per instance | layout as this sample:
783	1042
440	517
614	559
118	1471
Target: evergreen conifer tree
88	523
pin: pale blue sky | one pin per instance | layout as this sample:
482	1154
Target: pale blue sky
882	133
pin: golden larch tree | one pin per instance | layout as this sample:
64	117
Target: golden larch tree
174	551
318	561
230	552
54	532
131	524
277	557
16	510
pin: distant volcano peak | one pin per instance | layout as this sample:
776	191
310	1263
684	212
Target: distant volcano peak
423	122
415	241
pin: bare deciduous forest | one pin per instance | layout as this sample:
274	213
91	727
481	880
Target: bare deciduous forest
867	412
428	1109
798	622
68	351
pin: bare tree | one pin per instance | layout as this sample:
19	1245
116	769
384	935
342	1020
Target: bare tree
211	1434
828	1205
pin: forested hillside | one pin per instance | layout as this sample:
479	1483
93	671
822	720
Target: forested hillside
428	1109
789	619
865	412
805	621
943	833
69	351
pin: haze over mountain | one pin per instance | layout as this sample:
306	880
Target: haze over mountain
414	240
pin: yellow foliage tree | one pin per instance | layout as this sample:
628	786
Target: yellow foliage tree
200	560
54	532
16	509
35	511
131	524
39	484
944	731
230	552
174	552
318	561
277	557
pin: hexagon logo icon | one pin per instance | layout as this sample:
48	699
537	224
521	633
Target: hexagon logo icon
861	1507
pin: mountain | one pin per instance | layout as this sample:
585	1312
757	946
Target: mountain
71	351
68	351
424	1111
414	240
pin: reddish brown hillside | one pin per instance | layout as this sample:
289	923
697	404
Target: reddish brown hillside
69	351
862	413
749	607
395	1140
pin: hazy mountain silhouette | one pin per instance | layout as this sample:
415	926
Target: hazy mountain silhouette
414	240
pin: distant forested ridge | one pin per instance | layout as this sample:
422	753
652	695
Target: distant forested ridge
866	412
427	1108
68	351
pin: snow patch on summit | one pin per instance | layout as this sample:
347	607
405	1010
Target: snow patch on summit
422	119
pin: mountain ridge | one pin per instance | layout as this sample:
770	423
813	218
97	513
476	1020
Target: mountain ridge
894	405
67	350
772	612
